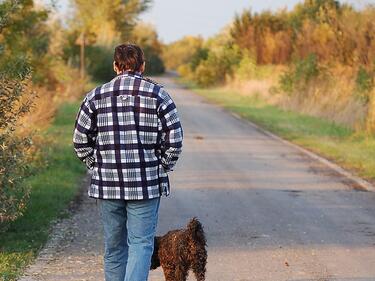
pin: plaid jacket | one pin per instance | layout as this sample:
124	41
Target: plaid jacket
129	133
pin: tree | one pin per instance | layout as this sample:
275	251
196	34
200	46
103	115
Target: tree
146	36
26	33
104	22
181	52
267	36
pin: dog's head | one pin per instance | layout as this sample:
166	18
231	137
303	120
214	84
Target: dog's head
155	261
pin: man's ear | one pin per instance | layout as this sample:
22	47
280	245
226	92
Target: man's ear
143	67
115	69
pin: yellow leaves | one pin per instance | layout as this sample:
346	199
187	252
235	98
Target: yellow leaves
323	34
144	34
181	51
317	38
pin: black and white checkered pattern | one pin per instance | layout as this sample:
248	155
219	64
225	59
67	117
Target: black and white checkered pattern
129	133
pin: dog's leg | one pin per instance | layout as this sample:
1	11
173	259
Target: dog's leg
169	273
199	271
199	266
181	272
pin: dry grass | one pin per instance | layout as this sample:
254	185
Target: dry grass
263	84
71	85
370	121
332	101
330	97
251	87
42	112
69	89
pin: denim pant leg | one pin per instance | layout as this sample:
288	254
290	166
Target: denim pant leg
141	224
114	215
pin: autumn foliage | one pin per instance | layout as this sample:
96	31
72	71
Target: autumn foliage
319	51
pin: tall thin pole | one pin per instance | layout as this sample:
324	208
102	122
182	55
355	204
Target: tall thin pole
82	55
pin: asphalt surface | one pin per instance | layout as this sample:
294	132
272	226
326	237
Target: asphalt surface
270	212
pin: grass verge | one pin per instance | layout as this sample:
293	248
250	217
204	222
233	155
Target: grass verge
351	150
53	187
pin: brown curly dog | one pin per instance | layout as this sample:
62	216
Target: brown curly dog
180	250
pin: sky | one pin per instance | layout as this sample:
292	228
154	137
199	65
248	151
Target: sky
174	19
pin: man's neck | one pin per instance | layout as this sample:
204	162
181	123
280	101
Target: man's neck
129	71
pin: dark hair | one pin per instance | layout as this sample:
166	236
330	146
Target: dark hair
128	57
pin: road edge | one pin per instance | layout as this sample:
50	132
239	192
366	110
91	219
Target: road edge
366	185
58	231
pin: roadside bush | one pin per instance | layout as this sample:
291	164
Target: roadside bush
200	55
219	64
15	102
299	74
306	69
207	74
248	69
364	85
181	52
188	69
99	63
185	72
154	63
287	82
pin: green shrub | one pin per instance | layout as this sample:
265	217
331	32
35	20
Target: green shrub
218	65
307	68
299	74
200	55
247	68
206	74
99	61
200	70
14	166
230	57
154	63
364	84
286	82
181	52
15	101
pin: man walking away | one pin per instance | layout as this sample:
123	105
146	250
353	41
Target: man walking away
129	134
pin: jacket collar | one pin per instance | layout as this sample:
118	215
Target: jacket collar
130	73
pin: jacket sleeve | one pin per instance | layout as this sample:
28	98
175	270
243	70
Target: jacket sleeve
171	132
85	132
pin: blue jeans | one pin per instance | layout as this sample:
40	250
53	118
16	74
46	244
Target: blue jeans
129	230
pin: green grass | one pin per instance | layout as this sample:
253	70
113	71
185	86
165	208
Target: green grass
53	187
352	150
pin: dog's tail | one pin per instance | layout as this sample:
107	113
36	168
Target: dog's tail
195	229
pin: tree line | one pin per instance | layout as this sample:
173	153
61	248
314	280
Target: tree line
319	48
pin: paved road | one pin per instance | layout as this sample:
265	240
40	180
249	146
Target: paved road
270	212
